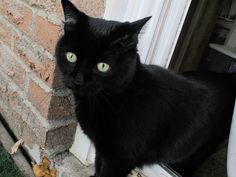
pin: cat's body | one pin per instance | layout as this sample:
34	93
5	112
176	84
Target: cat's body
139	114
177	121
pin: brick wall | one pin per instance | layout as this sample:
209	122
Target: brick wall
33	99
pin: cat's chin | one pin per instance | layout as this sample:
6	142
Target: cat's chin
69	84
85	91
82	90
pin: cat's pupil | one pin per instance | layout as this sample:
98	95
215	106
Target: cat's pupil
71	57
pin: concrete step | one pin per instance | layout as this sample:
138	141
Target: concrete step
68	165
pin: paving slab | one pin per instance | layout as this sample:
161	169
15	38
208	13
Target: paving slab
19	158
70	166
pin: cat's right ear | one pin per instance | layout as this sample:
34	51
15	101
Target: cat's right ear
72	15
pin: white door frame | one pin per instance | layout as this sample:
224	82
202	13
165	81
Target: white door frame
156	45
161	33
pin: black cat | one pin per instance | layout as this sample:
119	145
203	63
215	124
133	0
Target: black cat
138	114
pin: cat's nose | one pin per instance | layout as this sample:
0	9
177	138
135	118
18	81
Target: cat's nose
79	79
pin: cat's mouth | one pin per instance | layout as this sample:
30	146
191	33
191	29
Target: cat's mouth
69	84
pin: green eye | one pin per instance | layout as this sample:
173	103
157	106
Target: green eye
71	57
103	67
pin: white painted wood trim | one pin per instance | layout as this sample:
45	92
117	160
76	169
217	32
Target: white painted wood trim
161	33
231	157
156	44
82	147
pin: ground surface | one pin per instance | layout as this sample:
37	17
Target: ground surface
7	165
19	159
216	165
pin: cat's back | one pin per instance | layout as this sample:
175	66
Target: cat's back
195	103
162	93
221	85
184	95
199	80
162	80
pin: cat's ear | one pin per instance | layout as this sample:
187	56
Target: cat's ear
72	15
136	26
125	35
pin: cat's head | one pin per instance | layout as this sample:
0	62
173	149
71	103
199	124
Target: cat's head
95	54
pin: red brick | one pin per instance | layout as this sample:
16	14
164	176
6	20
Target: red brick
46	33
35	57
2	6
58	79
61	136
59	10
33	43
60	107
19	116
39	98
50	106
18	14
13	116
31	137
93	8
46	5
15	121
25	124
11	67
5	32
9	96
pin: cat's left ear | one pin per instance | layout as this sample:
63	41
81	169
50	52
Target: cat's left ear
126	34
136	26
72	15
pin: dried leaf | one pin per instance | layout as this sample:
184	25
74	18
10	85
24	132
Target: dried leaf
38	172
43	170
16	146
53	172
46	162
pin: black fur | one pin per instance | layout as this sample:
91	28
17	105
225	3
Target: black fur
138	114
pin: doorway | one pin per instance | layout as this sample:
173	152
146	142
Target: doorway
207	25
208	42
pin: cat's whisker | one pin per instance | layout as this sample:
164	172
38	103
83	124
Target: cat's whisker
90	102
76	102
108	101
111	96
96	98
93	103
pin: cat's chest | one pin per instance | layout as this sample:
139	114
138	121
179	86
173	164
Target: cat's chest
99	121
